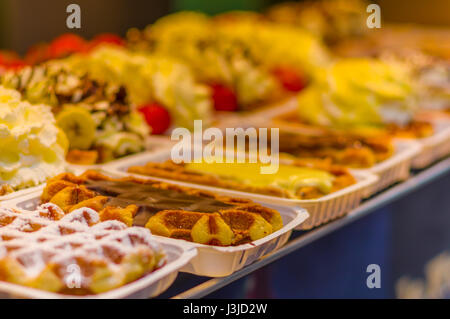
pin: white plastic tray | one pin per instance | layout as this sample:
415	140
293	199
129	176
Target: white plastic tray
434	147
178	255
20	193
394	169
215	261
321	210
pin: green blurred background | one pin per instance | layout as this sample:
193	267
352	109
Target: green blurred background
26	22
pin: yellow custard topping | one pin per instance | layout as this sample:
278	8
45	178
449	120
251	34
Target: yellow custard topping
288	177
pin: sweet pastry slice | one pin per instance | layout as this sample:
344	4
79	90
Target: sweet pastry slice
299	180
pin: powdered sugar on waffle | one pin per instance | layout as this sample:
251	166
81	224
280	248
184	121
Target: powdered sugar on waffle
46	235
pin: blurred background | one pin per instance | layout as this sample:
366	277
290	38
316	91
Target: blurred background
25	22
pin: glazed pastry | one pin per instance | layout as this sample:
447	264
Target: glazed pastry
290	181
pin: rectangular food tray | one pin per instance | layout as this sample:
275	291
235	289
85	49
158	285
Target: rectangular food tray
215	261
321	210
434	147
394	169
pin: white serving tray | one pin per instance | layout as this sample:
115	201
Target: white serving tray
20	193
394	169
178	255
215	261
321	210
434	147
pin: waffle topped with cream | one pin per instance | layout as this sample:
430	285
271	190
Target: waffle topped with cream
73	253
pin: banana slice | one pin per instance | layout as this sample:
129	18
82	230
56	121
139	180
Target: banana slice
78	125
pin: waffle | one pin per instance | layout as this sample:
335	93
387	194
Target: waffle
167	210
73	253
171	170
352	149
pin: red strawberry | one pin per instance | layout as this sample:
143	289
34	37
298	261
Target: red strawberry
156	116
37	53
224	98
108	38
290	79
16	65
10	60
65	45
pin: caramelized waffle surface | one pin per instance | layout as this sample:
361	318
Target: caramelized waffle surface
73	253
171	170
352	149
341	149
167	210
5	189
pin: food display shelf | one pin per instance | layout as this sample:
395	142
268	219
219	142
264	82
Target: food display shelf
298	240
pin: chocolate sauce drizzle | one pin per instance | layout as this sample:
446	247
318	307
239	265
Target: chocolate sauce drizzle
151	200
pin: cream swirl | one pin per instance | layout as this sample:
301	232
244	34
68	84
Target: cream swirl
32	148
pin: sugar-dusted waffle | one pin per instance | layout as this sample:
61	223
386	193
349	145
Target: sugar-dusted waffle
167	210
73	253
302	180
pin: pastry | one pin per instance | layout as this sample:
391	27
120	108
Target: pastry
306	180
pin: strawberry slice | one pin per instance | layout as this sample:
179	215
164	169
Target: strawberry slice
290	79
156	116
107	38
65	45
224	98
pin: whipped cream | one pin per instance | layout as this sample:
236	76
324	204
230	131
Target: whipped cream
32	148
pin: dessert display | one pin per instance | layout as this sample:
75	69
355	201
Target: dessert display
32	147
242	57
167	210
234	75
42	249
332	20
364	93
306	180
97	118
151	82
337	97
